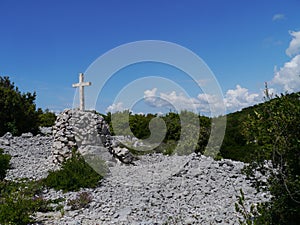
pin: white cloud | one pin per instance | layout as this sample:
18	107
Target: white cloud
170	100
234	100
294	47
152	99
150	93
115	107
239	98
210	103
278	17
288	76
180	101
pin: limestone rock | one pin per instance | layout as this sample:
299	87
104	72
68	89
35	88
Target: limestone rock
27	135
4	141
7	136
47	131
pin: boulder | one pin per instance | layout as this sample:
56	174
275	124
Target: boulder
4	141
27	135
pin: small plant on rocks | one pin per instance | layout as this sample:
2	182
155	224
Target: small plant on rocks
82	200
20	200
240	207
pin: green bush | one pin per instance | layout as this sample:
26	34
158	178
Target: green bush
4	164
19	201
74	174
46	118
239	153
125	123
275	131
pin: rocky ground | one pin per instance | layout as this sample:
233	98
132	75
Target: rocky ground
157	190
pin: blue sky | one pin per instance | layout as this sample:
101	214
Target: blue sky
45	44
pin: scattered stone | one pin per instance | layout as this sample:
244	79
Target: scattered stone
47	131
158	189
7	136
27	135
31	156
4	141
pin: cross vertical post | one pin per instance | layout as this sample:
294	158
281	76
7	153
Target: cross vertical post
81	86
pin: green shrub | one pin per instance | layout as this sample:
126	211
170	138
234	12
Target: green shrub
239	153
74	174
4	164
46	118
19	201
275	131
126	123
166	148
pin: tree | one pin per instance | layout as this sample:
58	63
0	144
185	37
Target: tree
18	111
46	118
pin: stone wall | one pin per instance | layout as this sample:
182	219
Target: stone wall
84	130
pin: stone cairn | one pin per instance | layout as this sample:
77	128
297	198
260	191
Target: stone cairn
84	130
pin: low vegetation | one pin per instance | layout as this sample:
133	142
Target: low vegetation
273	133
74	174
139	127
19	201
46	118
82	200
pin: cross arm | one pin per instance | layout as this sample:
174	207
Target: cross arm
82	84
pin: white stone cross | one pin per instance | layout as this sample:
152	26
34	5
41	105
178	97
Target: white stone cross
81	85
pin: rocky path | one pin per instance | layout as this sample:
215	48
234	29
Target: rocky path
157	190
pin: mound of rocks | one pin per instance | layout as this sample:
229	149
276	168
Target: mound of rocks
31	155
83	130
163	190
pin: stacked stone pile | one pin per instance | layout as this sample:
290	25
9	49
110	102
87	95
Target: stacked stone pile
83	129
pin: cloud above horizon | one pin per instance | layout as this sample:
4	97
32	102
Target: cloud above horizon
238	98
278	16
115	107
170	100
234	100
294	47
288	76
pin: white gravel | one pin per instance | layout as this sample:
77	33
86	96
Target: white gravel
157	190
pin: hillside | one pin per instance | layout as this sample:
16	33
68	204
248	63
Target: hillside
235	144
